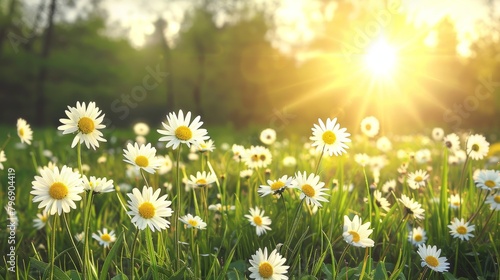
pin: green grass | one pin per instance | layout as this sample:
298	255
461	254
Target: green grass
222	250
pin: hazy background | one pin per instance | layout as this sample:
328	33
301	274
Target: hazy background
254	62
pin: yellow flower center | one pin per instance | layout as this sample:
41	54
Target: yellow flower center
193	223
106	237
461	230
431	261
21	132
257	220
255	157
262	157
142	161
308	190
475	147
58	191
490	184
419	179
329	137
147	210
266	270
86	125
201	181
183	133
355	236
456	203
44	218
277	185
368	127
417	237
497	198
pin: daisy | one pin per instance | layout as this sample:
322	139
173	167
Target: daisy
86	122
276	186
356	233
362	159
258	220
430	257
268	136
370	126
423	156
384	144
41	220
166	164
180	130
461	229
381	201
417	236
389	186
142	157
477	146
452	142
330	138
437	134
246	174
311	188
193	222
141	129
289	161
257	157
455	201
104	237
24	131
97	185
57	190
202	179
205	146
2	159
417	179
494	201
238	152
412	207
267	267
488	180
148	209
219	208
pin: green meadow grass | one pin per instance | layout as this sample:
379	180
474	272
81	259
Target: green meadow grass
316	250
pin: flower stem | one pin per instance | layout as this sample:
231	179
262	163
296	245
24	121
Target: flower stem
423	273
479	208
294	227
53	247
152	252
132	255
177	212
342	257
484	227
72	241
402	222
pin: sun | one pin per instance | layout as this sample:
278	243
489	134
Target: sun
381	59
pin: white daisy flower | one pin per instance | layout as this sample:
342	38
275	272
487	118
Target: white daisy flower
148	209
437	134
268	267
431	258
166	164
24	131
41	220
97	185
257	157
461	229
488	180
219	208
141	129
417	236
289	161
86	122
205	146
259	221
57	190
246	174
412	207
202	179
389	186
3	158
417	179
370	126
494	201
455	201
362	159
238	152
276	186
193	222
330	138
356	233
311	188
384	144
477	147
452	142
381	201
104	238
423	156
268	136
180	130
142	157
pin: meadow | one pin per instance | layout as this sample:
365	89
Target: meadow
323	203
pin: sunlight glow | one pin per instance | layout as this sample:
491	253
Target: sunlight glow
381	59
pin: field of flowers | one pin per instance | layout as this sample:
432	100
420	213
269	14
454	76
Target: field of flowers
82	202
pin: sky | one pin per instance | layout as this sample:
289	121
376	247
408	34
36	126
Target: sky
296	17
